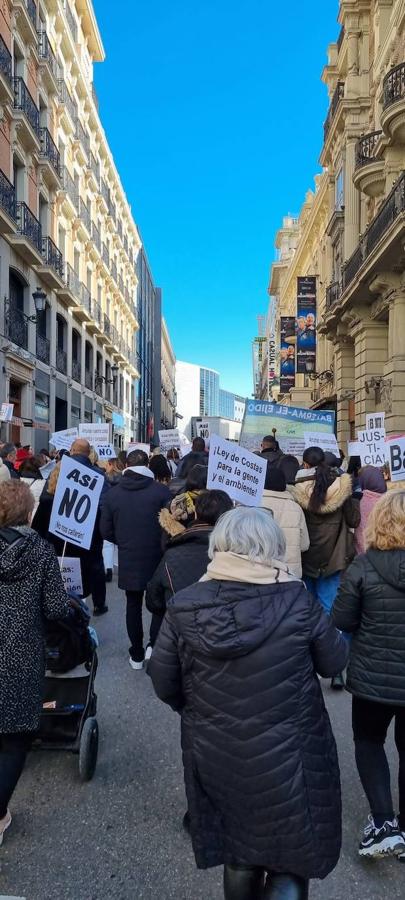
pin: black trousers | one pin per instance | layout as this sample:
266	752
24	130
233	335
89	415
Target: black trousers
98	588
370	722
13	753
253	883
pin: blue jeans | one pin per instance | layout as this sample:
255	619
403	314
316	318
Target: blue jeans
324	589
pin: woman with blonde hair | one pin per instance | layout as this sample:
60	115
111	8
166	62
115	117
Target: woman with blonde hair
370	605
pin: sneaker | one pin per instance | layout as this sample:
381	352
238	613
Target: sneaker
108	575
136	664
387	840
401	856
4	824
148	652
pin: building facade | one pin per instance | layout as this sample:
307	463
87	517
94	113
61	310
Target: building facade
168	400
148	346
360	260
65	228
231	406
197	391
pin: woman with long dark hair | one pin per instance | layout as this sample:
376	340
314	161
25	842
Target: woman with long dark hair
332	515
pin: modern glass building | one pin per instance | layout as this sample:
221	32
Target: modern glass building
209	392
231	406
148	352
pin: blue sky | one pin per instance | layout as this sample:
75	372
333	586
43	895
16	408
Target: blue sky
214	110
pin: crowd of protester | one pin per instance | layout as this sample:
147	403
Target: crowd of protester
250	609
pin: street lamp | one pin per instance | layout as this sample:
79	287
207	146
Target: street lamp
101	379
39	298
325	376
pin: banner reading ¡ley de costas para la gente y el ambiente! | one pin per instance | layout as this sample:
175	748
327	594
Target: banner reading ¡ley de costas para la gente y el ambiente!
291	424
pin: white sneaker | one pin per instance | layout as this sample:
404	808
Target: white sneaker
135	665
148	652
4	824
387	840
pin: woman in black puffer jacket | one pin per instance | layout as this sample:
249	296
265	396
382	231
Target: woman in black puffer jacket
237	656
370	604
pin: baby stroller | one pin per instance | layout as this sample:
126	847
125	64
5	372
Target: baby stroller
68	719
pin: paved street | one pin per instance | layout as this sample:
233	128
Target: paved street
120	836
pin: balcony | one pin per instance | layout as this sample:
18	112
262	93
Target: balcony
69	293
119	229
85	219
105	255
108	331
120	285
73	26
96	325
393	114
105	194
84	312
61	360
6	88
8	223
95	236
94	170
51	270
333	294
67	106
28	238
369	172
26	113
334	105
47	63
49	158
68	194
81	143
16	325
88	379
43	348
26	19
113	271
77	370
112	211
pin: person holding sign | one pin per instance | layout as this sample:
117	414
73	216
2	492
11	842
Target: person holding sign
31	590
237	657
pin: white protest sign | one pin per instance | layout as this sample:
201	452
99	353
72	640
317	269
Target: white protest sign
47	469
292	445
75	503
395	449
95	433
63	440
169	438
106	451
372	447
237	471
6	412
185	449
375	420
353	448
71	572
203	429
327	442
144	447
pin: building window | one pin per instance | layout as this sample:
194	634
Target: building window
41	407
339	190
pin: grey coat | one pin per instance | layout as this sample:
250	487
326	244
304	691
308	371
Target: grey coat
31	590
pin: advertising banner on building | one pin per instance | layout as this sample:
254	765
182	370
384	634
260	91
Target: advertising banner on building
306	324
287	353
289	423
273	377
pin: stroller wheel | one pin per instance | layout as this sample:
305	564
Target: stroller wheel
88	749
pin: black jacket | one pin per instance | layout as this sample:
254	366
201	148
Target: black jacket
262	778
184	562
129	518
285	462
370	604
11	469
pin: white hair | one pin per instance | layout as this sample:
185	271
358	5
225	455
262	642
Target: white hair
248	531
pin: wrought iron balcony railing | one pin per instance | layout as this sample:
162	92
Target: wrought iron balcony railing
5	60
88	379
365	148
394	85
43	348
32	11
333	293
85	297
105	191
52	256
95	234
61	360
97	312
113	270
72	280
67	100
28	225
69	186
107	326
105	255
76	370
119	228
125	244
24	102
84	214
120	284
49	149
46	53
83	137
16	324
334	103
71	22
94	165
7	196
112	210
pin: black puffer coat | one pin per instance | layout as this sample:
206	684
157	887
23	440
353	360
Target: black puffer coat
262	779
370	604
184	562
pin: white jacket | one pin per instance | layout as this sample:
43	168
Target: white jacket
291	518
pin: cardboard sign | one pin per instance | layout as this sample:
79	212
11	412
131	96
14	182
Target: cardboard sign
375	420
395	449
75	503
203	429
237	471
47	469
353	448
96	433
71	572
327	442
372	447
6	412
169	439
106	451
144	447
63	440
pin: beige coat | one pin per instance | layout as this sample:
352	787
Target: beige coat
290	517
4	473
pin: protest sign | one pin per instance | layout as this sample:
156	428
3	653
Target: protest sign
372	447
75	503
63	440
327	442
169	438
395	449
144	447
290	422
203	429
237	471
6	412
375	420
106	451
47	469
185	449
71	572
353	448
96	433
